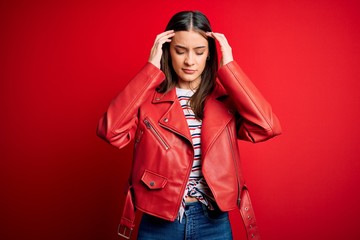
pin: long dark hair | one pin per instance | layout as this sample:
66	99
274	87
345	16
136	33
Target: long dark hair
198	22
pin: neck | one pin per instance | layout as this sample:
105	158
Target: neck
193	85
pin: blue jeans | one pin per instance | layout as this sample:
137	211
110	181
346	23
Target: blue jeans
199	223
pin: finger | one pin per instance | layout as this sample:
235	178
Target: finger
209	34
164	34
157	47
220	37
163	39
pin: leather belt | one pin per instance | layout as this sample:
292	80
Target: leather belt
248	215
127	225
127	220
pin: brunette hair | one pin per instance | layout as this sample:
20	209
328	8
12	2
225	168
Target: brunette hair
198	22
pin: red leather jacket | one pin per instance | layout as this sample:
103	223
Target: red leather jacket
163	151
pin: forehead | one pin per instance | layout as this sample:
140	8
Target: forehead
189	39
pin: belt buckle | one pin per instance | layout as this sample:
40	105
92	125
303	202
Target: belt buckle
124	231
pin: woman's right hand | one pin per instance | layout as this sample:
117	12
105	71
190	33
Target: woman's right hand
156	50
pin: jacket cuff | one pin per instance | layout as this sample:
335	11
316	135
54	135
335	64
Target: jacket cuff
222	70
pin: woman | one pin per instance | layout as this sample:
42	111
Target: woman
185	116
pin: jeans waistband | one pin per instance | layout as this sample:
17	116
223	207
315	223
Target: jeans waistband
194	207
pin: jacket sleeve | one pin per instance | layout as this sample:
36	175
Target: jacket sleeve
258	123
118	124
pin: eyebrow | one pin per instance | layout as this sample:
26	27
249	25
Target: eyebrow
185	48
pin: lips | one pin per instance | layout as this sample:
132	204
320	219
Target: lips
188	71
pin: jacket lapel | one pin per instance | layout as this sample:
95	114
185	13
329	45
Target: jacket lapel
173	119
216	116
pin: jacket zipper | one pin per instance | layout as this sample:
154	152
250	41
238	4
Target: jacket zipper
236	166
156	134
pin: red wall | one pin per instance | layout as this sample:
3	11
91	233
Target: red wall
62	62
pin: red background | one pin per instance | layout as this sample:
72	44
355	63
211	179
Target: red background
63	61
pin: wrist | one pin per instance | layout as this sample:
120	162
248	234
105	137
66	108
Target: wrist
155	64
227	60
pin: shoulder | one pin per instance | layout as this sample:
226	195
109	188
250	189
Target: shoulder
219	91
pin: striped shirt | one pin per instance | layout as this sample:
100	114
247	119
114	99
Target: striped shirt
196	186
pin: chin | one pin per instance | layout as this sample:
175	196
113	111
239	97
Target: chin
189	78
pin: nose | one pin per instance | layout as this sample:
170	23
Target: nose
189	60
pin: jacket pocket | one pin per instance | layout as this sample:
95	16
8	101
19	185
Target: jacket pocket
156	134
153	180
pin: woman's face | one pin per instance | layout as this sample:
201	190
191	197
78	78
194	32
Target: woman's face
189	51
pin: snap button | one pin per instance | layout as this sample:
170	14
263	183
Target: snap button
152	183
166	119
246	208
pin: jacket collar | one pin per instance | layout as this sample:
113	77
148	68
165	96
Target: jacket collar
164	97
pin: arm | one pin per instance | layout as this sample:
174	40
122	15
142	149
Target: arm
259	123
118	125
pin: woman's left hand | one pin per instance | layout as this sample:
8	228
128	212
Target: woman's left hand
226	50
